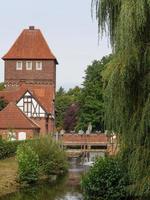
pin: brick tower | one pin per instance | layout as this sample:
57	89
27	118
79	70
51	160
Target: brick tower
30	60
30	78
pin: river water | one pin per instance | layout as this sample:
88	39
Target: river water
66	188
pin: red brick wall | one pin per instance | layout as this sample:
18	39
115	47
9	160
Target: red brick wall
91	138
46	75
51	126
42	124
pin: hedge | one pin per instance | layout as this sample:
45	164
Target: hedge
8	148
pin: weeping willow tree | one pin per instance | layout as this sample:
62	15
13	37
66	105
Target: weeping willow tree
127	83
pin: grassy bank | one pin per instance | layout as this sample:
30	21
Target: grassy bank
8	174
34	162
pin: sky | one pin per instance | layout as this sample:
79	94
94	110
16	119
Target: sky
71	33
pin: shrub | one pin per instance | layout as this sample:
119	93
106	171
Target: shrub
8	148
52	159
40	157
105	181
28	162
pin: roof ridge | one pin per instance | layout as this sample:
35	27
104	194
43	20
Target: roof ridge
30	46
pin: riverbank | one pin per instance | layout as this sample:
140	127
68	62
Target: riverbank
65	188
8	176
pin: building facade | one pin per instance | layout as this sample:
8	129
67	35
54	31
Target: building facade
30	78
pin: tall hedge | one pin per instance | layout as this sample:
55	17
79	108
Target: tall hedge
8	148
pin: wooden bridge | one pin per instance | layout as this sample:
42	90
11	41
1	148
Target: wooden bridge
85	145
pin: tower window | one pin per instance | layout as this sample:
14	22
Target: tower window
28	65
19	65
38	65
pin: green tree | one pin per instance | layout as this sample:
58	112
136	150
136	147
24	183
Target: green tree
106	180
91	98
61	91
63	101
75	93
127	89
28	162
70	118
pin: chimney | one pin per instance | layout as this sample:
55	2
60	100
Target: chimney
31	27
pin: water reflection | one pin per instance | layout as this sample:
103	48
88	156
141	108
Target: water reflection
67	188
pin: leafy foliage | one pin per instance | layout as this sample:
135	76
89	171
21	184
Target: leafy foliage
40	157
63	101
127	83
91	99
28	162
52	159
105	181
70	117
8	149
78	107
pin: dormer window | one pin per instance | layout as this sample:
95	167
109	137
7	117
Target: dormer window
19	65
28	65
38	65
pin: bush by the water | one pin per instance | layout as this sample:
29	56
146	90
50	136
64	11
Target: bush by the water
40	157
105	181
8	148
52	159
28	163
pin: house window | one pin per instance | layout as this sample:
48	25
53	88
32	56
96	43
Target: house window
27	106
38	65
19	65
28	65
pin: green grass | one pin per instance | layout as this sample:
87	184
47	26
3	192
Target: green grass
8	175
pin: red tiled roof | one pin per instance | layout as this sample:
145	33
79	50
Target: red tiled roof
11	96
11	117
30	45
43	93
90	138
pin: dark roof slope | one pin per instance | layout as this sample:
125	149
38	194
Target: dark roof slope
11	117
